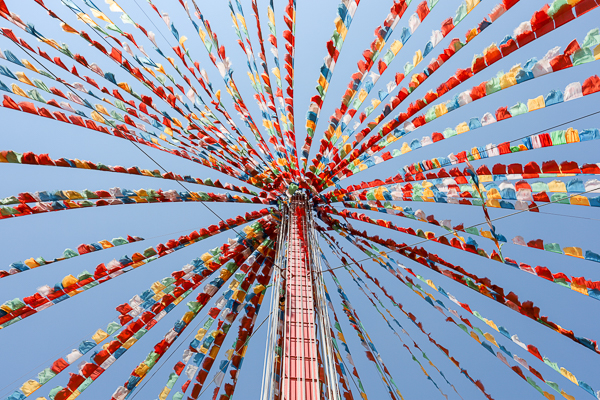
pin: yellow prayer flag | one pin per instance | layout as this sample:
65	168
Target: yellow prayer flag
580	201
85	18
18	91
440	110
557	186
101	15
536	104
471	4
31	263
597	52
157	287
573	251
164	393
124	86
141	370
23	78
106	244
567	374
69	280
490	338
579	288
323	82
572	135
182	41
187	317
74	395
417	58
99	336
507	80
396	47
462	128
567	396
492	324
97	117
340	27
405	148
29	387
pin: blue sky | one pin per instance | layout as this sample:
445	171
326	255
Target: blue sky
32	344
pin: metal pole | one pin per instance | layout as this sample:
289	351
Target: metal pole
305	314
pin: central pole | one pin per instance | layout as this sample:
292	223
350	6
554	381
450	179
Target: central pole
300	368
300	359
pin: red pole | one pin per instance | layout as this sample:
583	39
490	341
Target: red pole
300	378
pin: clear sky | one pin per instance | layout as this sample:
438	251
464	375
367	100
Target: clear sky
30	345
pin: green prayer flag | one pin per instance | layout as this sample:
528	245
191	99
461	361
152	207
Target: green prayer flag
112	328
461	13
518	109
